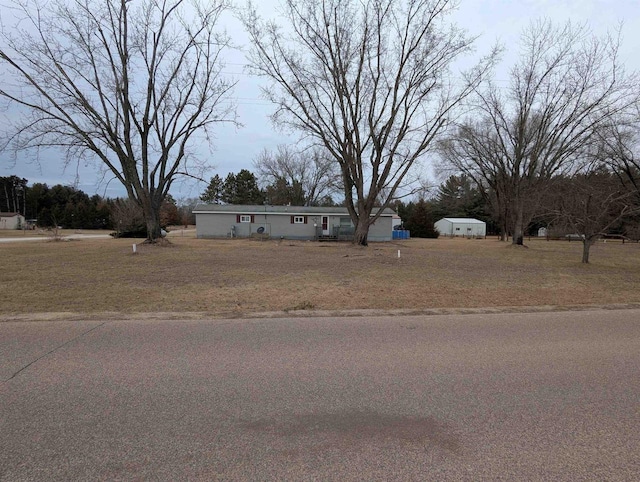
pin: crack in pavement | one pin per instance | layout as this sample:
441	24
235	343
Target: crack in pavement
53	350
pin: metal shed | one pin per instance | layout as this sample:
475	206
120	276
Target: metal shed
463	227
11	221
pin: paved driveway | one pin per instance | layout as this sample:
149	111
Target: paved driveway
546	396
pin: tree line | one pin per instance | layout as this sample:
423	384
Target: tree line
69	207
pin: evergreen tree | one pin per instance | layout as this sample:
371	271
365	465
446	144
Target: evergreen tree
283	193
229	189
242	188
12	194
61	206
214	192
404	211
459	198
420	221
327	201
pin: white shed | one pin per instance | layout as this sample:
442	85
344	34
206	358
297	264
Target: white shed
11	221
467	227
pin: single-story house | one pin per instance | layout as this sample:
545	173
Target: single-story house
467	227
11	221
289	222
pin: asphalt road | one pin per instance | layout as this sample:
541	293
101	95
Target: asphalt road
546	396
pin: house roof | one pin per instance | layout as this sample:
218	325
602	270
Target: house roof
260	209
463	220
9	215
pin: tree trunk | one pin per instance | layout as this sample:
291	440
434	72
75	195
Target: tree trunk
518	228
6	193
152	220
153	228
586	246
362	231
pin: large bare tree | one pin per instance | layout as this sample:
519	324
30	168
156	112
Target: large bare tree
131	83
369	81
474	149
567	86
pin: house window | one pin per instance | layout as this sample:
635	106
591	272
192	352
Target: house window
457	229
298	219
244	218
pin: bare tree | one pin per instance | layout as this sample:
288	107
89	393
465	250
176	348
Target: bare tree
474	150
131	83
127	217
367	80
619	148
566	87
312	169
589	203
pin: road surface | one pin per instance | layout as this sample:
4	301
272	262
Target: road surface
540	396
19	239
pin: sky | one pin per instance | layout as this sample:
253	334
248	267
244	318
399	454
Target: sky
236	148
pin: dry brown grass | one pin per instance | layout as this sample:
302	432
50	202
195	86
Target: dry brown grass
241	276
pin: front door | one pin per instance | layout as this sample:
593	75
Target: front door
325	226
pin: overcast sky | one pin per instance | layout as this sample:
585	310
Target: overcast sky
235	149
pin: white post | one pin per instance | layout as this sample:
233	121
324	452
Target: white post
134	248
398	254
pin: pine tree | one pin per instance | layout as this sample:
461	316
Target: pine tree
242	188
420	221
282	193
213	193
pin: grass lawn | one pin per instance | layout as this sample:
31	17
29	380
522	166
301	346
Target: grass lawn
233	277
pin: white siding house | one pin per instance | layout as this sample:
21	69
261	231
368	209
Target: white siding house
465	227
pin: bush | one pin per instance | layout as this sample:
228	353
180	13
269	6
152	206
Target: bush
140	232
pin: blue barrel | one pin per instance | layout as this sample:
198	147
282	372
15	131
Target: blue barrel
400	234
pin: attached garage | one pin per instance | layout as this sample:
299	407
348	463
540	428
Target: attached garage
463	227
